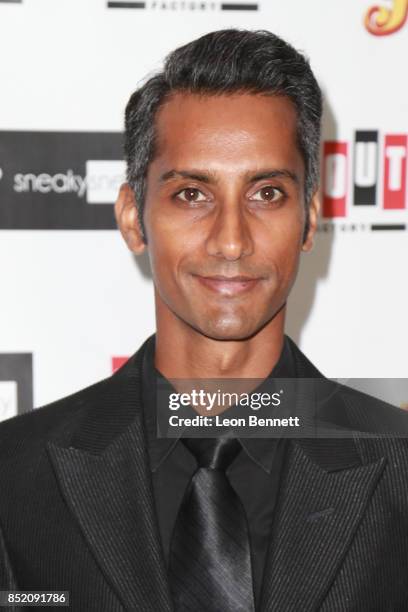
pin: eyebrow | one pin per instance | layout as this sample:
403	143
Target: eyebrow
278	173
209	177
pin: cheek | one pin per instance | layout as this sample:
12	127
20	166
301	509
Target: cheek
161	258
166	254
170	241
281	243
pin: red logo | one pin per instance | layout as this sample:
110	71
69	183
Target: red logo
118	362
367	174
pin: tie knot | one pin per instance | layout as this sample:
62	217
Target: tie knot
213	453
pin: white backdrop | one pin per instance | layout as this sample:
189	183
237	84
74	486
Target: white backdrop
75	299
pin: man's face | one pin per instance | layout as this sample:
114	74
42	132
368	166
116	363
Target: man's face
225	211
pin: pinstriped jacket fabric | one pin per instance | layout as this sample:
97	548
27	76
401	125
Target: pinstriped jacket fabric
77	509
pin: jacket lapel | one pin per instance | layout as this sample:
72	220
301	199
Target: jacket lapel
318	514
103	472
324	494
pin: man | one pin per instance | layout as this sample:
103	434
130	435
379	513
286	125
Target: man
222	150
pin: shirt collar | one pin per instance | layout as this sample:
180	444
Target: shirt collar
260	450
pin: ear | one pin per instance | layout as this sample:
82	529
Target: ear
314	210
127	219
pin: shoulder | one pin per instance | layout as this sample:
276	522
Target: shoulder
360	411
23	434
87	420
380	428
347	406
102	402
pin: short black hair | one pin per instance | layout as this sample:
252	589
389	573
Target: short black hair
226	62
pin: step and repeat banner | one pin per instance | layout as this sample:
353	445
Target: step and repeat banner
74	302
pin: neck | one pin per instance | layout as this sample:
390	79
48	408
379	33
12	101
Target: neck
183	352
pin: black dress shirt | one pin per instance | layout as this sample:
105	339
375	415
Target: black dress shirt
254	474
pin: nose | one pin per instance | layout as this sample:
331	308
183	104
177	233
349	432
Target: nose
230	236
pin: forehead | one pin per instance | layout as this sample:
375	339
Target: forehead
242	129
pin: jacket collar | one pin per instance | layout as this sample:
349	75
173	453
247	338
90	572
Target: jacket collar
109	413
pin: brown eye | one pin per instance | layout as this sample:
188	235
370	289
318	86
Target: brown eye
191	195
267	194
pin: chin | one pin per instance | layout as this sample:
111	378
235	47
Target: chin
225	329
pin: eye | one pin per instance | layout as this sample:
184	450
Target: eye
267	194
191	194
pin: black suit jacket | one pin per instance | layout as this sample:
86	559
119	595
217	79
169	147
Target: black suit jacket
77	509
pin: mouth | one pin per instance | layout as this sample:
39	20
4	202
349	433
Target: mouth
228	285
